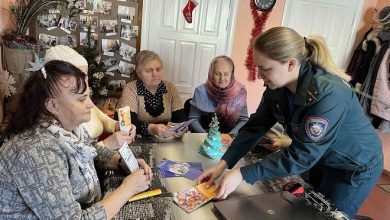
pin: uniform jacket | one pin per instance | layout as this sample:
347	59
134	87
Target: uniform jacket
327	127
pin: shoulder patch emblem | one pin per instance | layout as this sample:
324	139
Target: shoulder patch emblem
316	127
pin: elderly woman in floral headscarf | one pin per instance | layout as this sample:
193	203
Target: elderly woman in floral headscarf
221	94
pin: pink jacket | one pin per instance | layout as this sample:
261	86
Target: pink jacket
380	105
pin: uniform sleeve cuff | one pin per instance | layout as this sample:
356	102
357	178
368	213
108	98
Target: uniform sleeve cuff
248	173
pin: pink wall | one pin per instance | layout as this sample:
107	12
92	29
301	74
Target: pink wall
382	3
5	21
365	24
244	24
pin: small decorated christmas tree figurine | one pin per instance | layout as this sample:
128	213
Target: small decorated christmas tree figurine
211	147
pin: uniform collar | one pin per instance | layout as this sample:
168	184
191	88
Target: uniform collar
304	80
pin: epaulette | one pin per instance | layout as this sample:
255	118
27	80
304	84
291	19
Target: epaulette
312	94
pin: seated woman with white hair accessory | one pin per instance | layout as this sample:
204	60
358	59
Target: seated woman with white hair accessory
99	123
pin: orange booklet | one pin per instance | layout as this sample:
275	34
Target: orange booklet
193	198
226	139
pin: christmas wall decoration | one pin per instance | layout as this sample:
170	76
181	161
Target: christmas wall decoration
187	11
259	20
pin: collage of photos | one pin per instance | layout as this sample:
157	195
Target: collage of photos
114	31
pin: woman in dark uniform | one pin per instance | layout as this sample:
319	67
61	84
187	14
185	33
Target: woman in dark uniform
321	114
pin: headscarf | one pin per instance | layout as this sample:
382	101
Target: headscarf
231	99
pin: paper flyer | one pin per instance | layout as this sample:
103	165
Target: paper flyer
193	198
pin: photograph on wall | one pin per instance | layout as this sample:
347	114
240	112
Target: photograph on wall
48	40
56	10
68	40
126	69
47	20
111	64
126	14
110	47
67	24
81	4
109	27
125	31
93	38
90	12
116	85
134	32
86	21
102	7
127	52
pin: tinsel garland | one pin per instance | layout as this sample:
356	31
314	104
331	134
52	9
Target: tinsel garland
258	26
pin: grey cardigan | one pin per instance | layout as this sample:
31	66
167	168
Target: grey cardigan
41	180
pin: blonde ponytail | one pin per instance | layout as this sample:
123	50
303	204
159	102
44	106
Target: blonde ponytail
319	55
282	43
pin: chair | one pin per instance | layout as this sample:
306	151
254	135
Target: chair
187	107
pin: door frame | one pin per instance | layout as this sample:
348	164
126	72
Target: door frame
231	25
355	25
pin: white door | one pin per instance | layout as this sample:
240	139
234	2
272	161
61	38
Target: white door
335	20
187	49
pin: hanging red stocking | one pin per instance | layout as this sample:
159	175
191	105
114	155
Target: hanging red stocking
187	11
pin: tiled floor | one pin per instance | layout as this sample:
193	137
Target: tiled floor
377	205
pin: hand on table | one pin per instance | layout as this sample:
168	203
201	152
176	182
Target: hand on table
136	182
229	183
211	174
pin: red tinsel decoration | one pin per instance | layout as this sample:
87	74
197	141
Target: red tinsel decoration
258	26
